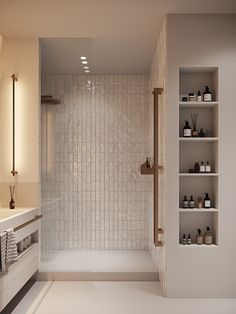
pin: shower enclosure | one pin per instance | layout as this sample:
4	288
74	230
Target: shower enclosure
95	203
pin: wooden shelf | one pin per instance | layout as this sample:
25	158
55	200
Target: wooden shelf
210	174
198	104
198	139
198	210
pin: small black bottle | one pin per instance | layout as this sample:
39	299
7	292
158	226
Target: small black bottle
184	240
207	201
189	240
12	204
185	202
196	167
207	94
187	130
199	96
191	202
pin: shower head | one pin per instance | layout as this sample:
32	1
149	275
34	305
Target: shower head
49	100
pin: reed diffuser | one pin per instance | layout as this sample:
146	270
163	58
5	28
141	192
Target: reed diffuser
12	193
194	117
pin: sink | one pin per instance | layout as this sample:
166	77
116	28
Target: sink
11	218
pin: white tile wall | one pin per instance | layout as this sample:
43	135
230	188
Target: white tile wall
100	138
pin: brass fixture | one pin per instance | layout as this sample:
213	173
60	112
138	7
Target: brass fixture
157	230
14	79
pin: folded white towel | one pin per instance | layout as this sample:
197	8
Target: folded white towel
11	254
3	250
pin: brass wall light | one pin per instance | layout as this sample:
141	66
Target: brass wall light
14	79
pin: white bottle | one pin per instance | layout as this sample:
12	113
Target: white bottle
202	167
208	167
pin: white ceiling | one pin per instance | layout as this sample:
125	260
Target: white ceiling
119	36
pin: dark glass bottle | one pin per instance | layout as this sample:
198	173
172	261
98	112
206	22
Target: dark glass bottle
184	240
191	202
196	167
12	204
199	96
187	130
189	240
207	94
185	202
207	201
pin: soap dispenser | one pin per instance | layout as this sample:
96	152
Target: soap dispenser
199	237
208	238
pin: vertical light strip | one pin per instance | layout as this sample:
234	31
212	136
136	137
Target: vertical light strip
14	79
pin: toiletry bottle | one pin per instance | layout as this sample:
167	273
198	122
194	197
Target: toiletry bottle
184	240
12	204
196	167
207	94
202	167
191	97
189	240
185	202
199	202
199	237
187	130
208	239
191	202
199	96
208	167
207	201
147	164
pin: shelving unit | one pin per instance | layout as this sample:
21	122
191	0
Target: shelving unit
192	149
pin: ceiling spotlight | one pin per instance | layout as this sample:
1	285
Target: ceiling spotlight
87	71
83	58
84	62
86	68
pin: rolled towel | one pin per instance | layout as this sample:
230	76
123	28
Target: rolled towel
3	250
11	255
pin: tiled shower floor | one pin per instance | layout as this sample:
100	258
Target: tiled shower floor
109	261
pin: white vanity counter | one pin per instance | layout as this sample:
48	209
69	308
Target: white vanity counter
25	222
11	218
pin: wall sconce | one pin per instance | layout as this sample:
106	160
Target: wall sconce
14	79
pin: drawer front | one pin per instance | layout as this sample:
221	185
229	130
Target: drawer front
18	274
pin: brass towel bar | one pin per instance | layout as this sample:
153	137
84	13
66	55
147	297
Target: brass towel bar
157	229
37	217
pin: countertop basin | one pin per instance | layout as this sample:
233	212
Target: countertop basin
11	218
6	213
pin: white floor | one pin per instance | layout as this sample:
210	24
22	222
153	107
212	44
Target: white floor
113	298
98	261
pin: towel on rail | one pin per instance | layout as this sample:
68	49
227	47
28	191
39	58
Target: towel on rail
11	254
3	250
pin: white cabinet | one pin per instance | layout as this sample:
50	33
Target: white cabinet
28	263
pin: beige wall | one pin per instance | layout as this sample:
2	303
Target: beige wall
20	56
203	40
157	78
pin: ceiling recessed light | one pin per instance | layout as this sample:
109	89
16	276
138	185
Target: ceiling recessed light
86	68
87	71
84	62
83	58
